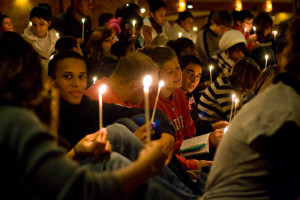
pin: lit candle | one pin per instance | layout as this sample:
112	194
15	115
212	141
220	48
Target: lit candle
179	34
143	10
101	91
161	83
245	30
147	82
236	102
232	98
30	23
275	33
254	29
83	20
57	35
195	28
266	57
133	27
210	68
94	79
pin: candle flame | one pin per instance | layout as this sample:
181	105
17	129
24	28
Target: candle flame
211	67
233	96
245	30
30	23
57	35
195	28
161	84
180	34
266	57
236	101
147	82
254	28
102	89
133	22
275	32
94	79
225	129
143	10
83	20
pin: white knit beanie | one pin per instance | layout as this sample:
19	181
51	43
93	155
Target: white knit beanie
231	38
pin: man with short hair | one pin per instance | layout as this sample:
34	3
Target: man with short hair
70	22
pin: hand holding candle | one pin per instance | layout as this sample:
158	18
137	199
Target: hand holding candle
83	20
102	89
133	27
147	82
160	85
210	75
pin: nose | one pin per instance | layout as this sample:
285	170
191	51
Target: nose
75	82
193	78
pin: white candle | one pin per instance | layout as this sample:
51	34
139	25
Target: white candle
210	68
236	102
133	27
94	79
102	89
160	85
266	57
147	82
83	20
232	100
275	33
179	34
254	29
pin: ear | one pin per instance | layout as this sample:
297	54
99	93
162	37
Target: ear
239	23
49	23
135	85
152	14
51	81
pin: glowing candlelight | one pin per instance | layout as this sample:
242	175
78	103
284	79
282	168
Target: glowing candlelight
143	10
94	79
210	68
30	23
195	28
225	129
133	27
147	82
275	33
266	57
245	30
236	101
232	98
57	35
179	34
254	29
102	89
83	20
160	85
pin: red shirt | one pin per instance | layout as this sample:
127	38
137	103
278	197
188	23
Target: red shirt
246	34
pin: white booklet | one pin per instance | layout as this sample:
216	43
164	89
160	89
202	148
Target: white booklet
194	146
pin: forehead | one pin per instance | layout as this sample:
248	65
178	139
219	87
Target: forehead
74	65
161	10
170	63
193	67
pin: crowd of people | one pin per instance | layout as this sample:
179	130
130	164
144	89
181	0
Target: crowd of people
232	80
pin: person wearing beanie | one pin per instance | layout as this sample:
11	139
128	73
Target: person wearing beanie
232	46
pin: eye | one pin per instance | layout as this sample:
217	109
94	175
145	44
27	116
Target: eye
82	77
68	76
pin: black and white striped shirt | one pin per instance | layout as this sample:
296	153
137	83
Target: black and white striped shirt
216	102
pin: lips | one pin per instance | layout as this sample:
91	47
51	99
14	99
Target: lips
76	93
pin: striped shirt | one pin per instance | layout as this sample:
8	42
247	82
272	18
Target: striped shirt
225	64
216	102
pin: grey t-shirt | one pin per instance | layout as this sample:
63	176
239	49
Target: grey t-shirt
241	170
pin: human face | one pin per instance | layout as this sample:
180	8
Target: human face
40	27
83	7
187	24
247	23
70	79
236	55
159	16
7	25
171	75
267	31
191	76
218	29
106	44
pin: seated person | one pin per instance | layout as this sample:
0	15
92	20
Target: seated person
33	160
216	102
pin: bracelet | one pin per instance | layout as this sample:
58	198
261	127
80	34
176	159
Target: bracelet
77	154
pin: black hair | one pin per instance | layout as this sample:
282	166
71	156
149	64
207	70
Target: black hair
65	43
184	15
2	17
281	45
119	48
128	20
156	5
181	44
61	56
104	17
43	11
237	47
262	22
242	15
187	59
222	18
126	9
